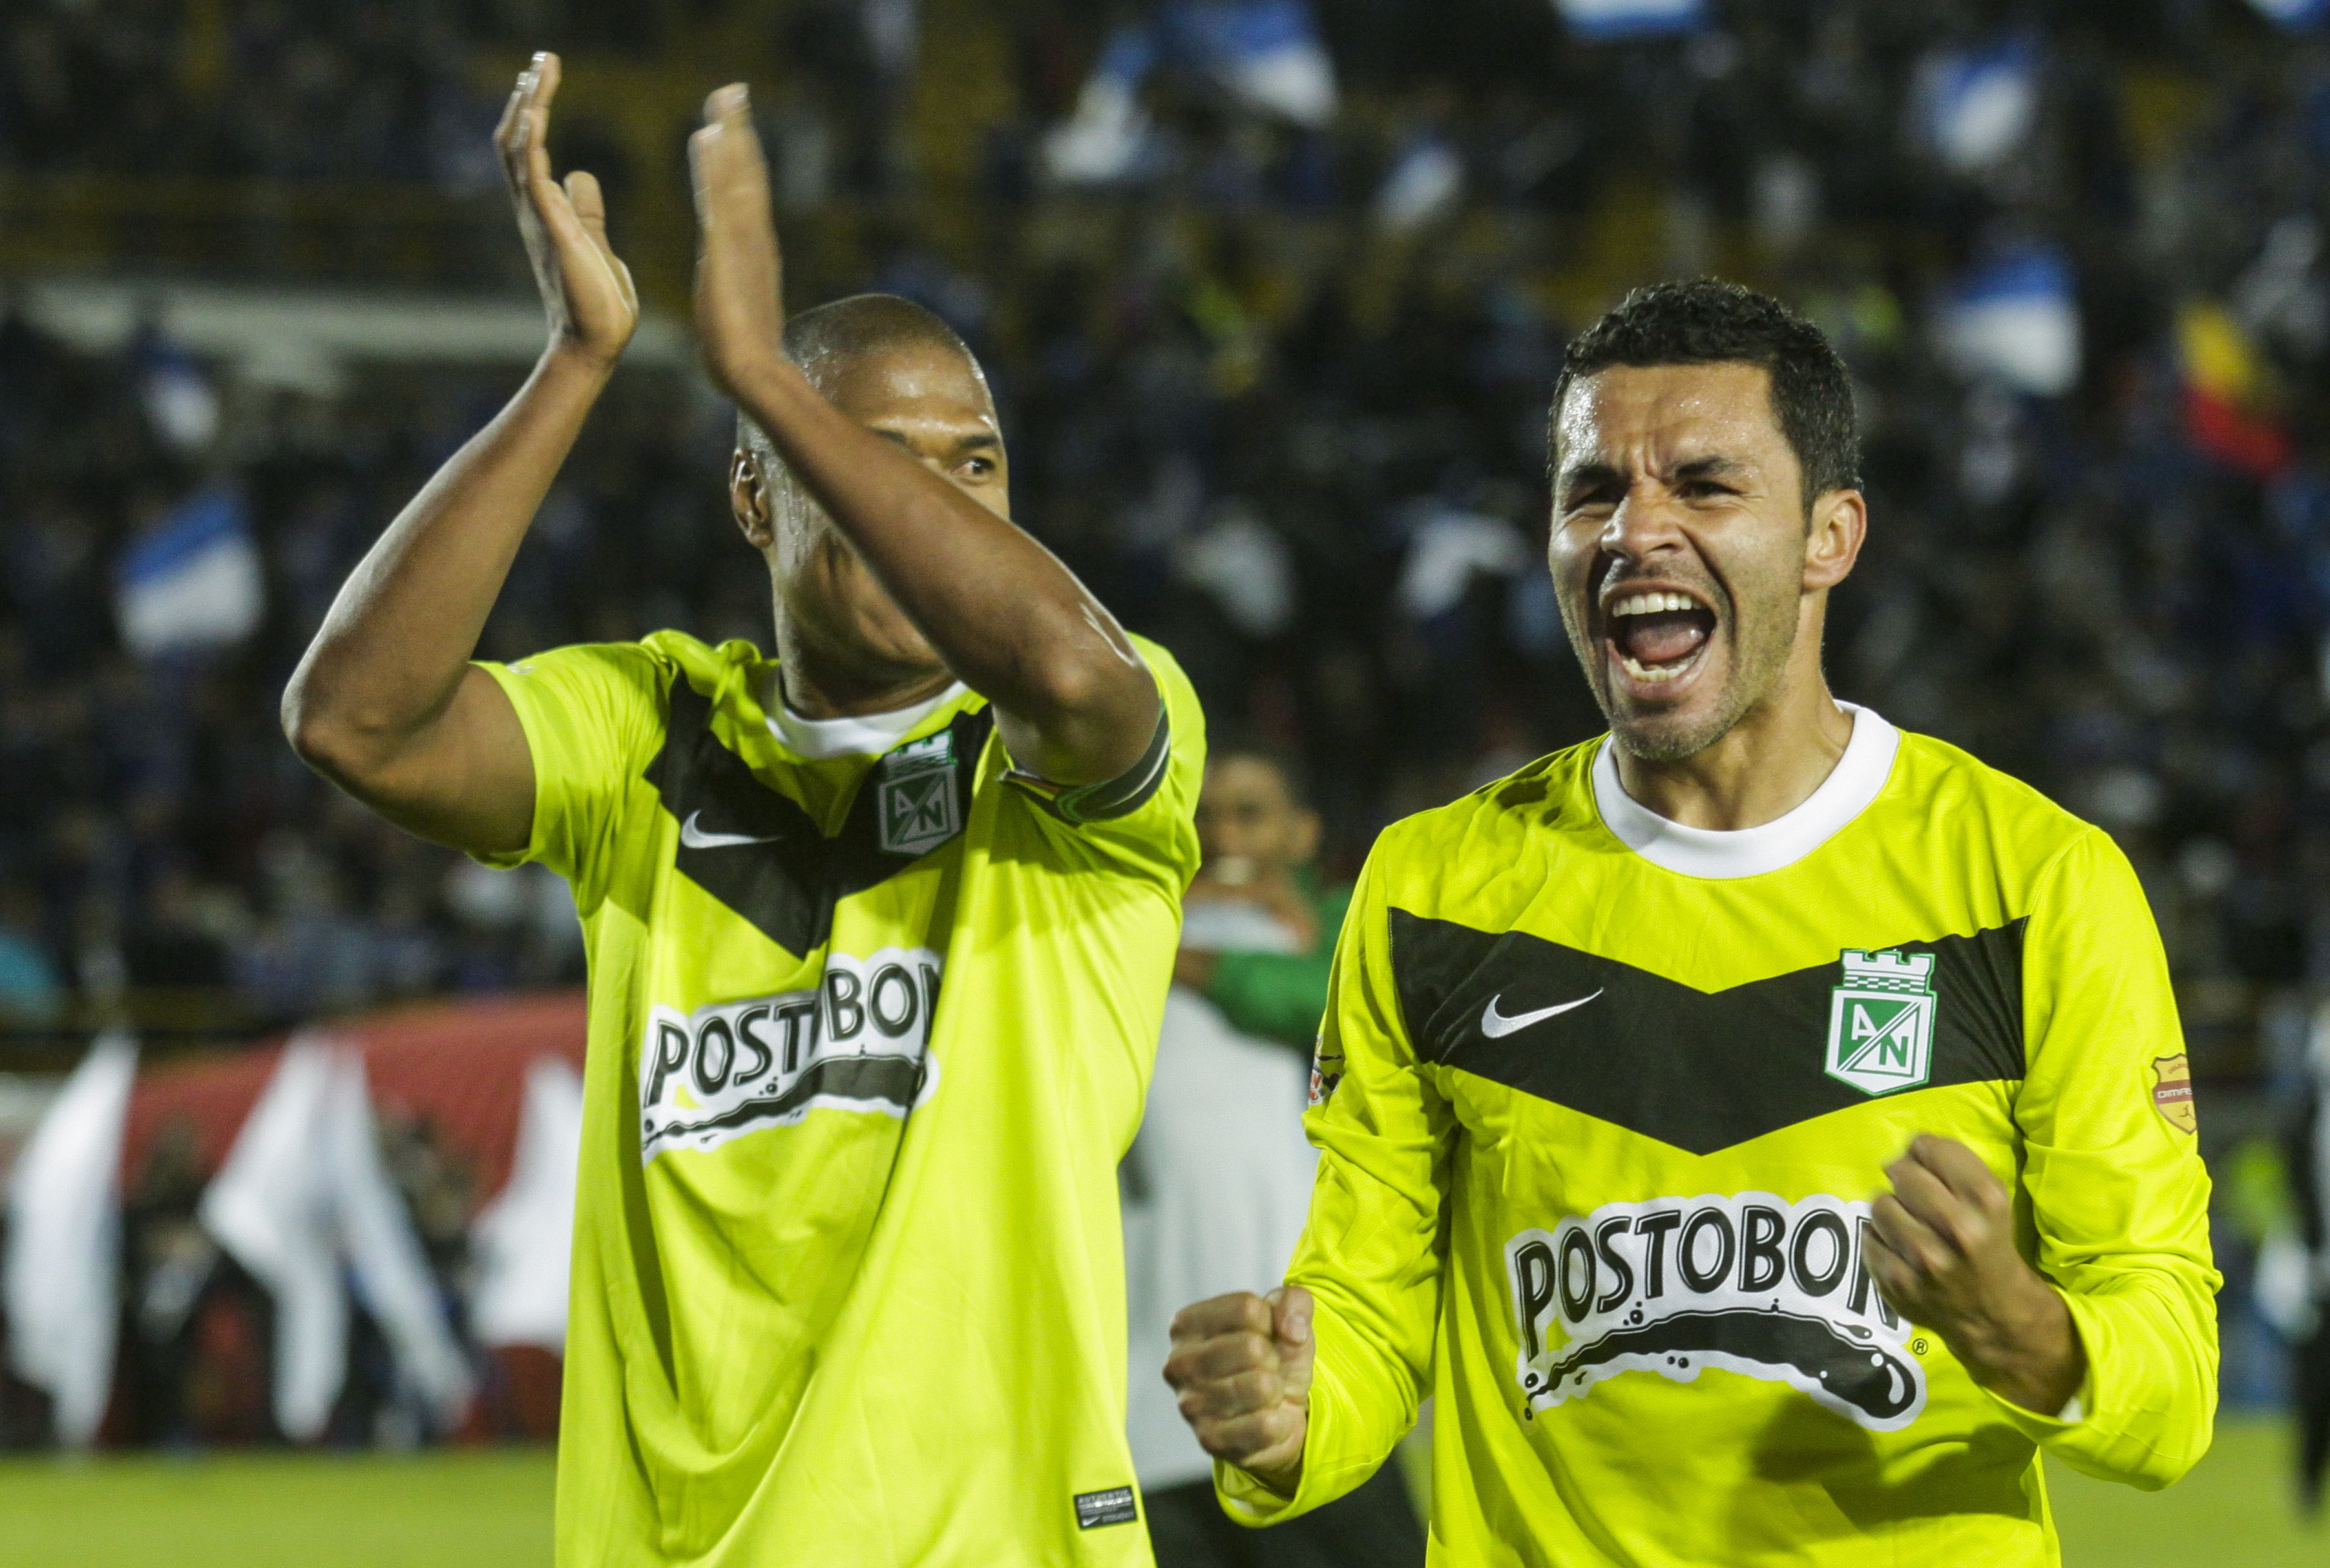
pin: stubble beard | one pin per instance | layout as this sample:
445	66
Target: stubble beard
1762	657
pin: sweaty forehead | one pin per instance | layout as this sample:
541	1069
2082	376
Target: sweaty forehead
1631	416
911	380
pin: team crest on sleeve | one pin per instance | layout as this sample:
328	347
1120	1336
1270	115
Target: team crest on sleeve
1326	1071
2172	1092
917	796
1881	1021
1748	1283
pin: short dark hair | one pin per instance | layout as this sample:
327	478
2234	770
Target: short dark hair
1707	321
822	338
861	324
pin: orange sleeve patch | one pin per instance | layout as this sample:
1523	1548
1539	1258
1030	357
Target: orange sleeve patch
2172	1092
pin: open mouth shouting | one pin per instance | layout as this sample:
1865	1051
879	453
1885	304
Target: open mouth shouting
1657	636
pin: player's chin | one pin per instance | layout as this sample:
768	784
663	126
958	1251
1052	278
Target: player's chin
1659	690
1666	720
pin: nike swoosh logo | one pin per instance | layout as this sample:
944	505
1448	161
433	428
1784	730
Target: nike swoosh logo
1496	1024
695	837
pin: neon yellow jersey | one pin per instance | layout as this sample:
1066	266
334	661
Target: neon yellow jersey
1603	1102
871	1017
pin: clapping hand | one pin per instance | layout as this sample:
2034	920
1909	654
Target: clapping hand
739	277
586	289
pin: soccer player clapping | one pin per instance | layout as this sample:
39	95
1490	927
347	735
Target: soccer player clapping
879	929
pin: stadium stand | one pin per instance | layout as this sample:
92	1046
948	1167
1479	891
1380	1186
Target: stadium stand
1275	388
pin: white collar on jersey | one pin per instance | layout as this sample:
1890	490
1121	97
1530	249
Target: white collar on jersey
855	735
1843	795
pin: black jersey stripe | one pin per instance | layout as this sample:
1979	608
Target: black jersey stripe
788	884
1699	1070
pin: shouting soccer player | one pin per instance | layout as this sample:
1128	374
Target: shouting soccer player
1764	1131
879	930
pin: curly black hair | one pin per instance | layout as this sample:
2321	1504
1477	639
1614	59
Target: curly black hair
1707	321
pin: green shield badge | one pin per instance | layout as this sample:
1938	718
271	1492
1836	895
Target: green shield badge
1881	1021
916	795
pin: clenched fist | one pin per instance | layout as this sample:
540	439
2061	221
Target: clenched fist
1242	1365
1941	1249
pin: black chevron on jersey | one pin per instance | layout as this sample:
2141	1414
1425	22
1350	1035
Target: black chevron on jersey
788	884
1699	1070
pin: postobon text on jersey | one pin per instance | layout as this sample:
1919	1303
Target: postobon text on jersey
1750	1283
858	1040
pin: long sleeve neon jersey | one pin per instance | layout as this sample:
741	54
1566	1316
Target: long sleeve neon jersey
1603	1102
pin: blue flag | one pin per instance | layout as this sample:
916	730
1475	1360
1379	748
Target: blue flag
193	581
2295	15
2015	320
1606	20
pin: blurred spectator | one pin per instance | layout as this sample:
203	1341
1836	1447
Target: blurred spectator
31	990
1218	1182
2308	1316
1274	380
1271	295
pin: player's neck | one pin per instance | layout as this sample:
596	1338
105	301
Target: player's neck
816	690
1763	768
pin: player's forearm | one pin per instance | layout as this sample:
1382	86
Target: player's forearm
1005	616
2026	1351
397	641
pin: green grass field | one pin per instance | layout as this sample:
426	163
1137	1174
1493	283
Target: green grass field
493	1508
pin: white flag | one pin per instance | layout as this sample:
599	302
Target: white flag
522	1241
302	1199
62	1266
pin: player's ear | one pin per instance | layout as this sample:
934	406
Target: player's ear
748	497
1839	522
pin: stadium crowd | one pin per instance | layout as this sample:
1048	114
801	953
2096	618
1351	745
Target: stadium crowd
1276	390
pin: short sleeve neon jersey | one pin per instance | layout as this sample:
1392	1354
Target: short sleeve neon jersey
871	1017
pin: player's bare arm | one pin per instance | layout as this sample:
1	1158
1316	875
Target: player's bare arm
385	703
1943	1254
1073	701
1242	1366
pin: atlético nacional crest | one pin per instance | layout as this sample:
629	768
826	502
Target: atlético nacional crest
1881	1021
916	795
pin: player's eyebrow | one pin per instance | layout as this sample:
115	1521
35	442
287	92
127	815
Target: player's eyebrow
1714	466
1591	476
969	441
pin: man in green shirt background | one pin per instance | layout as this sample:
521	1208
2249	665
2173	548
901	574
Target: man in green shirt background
1261	842
1218	1181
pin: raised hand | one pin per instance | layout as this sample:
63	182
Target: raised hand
1242	1365
740	313
586	289
1942	1252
